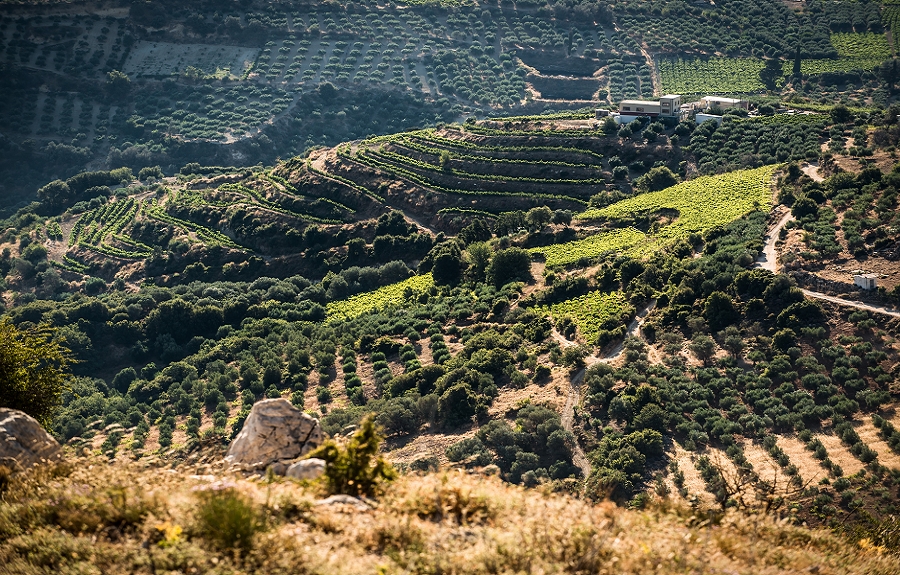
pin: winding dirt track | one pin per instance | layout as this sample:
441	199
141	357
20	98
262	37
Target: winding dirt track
574	396
855	304
768	260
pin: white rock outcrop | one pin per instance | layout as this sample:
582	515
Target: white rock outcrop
345	500
23	442
312	468
275	431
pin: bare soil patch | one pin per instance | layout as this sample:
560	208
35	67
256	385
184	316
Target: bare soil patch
869	435
424	352
839	453
166	58
694	484
367	375
179	435
425	445
810	470
151	443
509	399
845	266
766	468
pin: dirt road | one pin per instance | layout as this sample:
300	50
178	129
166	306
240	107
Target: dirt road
850	303
812	170
768	260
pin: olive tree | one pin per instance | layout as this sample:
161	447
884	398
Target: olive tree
33	370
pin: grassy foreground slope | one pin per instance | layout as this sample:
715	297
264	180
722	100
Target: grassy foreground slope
125	518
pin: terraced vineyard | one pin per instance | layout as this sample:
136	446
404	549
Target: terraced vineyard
697	205
558	168
742	75
195	216
713	75
393	294
101	229
591	247
593	312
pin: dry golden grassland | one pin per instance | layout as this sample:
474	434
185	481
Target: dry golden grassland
91	516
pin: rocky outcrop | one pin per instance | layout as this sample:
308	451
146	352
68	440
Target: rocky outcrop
23	442
274	433
312	468
345	500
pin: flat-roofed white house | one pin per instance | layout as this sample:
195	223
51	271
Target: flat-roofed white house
866	281
667	106
724	103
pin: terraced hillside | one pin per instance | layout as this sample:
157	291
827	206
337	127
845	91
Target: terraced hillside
169	84
575	305
298	216
482	169
241	84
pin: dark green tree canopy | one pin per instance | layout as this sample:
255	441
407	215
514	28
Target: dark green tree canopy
512	264
33	370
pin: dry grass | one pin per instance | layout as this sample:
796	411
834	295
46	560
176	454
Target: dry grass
869	435
405	451
840	454
767	469
448	522
695	485
810	470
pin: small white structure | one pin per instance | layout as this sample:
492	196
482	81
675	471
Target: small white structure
600	113
866	281
639	108
622	119
668	106
724	103
700	118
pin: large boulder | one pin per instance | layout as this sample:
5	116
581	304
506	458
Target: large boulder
274	432
23	442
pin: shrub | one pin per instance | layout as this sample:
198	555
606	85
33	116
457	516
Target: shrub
33	370
508	265
354	467
226	517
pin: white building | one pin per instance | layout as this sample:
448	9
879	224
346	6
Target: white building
723	103
668	106
700	118
866	281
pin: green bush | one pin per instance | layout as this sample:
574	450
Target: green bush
227	518
354	467
33	370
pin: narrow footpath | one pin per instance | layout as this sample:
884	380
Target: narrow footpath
574	396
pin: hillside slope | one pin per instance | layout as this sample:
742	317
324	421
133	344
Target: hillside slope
483	326
130	518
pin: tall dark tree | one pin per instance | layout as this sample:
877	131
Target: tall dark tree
771	73
513	264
